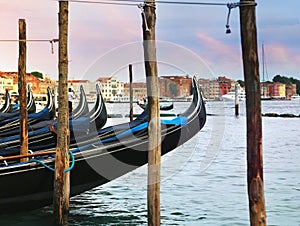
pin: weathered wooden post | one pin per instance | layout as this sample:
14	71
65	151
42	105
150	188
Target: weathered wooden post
22	89
61	192
130	94
254	118
154	128
236	101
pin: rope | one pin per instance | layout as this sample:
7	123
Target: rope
50	168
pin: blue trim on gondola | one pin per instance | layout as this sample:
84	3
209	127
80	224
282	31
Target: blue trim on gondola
15	106
42	115
80	125
179	120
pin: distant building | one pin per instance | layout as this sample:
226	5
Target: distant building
31	80
45	83
88	87
139	90
277	90
7	83
110	87
290	90
210	89
265	89
168	87
175	86
225	85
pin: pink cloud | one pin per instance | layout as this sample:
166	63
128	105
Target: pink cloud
220	56
282	59
282	53
215	45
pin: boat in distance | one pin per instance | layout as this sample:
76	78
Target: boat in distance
230	96
295	97
29	185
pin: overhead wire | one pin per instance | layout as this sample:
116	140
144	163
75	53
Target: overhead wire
51	41
135	3
230	6
132	2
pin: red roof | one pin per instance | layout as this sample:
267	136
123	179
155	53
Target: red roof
103	79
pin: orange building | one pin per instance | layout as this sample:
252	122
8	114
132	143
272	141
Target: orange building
31	80
225	85
175	86
139	90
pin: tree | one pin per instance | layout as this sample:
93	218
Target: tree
241	82
173	89
37	74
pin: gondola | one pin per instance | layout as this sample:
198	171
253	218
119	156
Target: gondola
31	108
29	185
164	106
46	136
11	125
43	118
82	107
6	107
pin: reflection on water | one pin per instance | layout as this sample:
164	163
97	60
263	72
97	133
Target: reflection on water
192	194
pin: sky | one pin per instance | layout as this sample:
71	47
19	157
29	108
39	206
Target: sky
104	39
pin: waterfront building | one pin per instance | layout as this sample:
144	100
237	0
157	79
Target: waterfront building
46	82
210	89
88	87
225	85
139	90
290	90
7	83
31	80
111	87
277	90
175	86
265	90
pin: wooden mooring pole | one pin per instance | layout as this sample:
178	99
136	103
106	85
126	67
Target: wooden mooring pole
154	128
22	89
236	101
253	111
61	192
130	94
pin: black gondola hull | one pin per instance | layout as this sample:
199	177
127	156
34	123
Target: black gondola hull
30	185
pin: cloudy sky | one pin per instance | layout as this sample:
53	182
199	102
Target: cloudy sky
104	39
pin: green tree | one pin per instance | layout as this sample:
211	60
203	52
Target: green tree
173	89
241	82
37	74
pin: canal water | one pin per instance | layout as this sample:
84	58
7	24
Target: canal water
204	182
